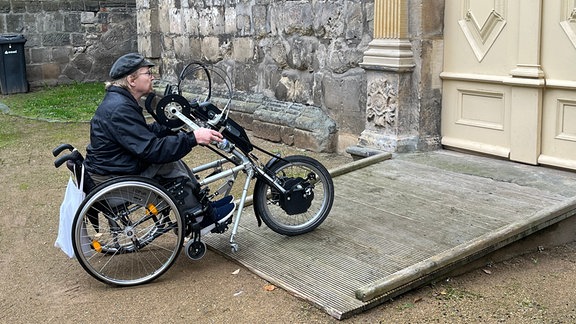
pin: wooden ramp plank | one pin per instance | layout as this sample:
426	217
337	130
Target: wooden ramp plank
400	216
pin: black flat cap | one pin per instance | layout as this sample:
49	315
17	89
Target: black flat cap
127	64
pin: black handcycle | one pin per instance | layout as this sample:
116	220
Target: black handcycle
129	230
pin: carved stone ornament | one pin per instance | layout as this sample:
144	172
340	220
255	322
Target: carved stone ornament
382	103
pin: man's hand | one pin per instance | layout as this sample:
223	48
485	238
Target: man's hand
205	136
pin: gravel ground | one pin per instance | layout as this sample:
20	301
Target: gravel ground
39	284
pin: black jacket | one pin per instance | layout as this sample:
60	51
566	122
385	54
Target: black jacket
121	143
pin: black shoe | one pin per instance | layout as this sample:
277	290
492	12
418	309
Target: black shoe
221	215
222	202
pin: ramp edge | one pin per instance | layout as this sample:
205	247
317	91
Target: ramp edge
487	243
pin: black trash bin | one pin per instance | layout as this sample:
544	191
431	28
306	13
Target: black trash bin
12	64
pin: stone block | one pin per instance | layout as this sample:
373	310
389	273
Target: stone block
5	7
433	25
242	49
354	18
292	17
34	7
15	22
269	76
50	70
175	22
18	7
345	92
230	20
56	39
181	45
78	39
211	21
76	6
61	55
295	86
302	53
245	77
277	50
34	72
33	40
324	24
82	63
53	22
342	56
72	73
287	135
260	23
311	141
243	119
304	126
211	48
266	131
92	5
72	22
39	55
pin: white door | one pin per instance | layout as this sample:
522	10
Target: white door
508	79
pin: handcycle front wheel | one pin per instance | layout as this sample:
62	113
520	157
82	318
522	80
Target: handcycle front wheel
127	231
309	202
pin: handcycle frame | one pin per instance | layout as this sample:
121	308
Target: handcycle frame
174	110
244	165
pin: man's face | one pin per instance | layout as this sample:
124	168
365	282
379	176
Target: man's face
143	80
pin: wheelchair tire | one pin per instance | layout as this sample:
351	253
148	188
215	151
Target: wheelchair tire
127	231
308	205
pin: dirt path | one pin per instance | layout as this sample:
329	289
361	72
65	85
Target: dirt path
39	284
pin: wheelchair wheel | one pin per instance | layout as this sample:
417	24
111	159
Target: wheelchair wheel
128	231
307	203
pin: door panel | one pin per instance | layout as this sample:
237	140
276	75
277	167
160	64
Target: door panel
559	108
479	54
509	85
477	118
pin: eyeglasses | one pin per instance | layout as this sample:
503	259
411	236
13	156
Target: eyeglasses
149	73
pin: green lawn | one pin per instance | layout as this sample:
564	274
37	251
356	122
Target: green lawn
74	102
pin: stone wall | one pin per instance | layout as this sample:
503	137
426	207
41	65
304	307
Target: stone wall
304	52
73	40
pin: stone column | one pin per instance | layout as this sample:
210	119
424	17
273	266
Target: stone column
389	63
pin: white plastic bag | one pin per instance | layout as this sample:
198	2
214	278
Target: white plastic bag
72	200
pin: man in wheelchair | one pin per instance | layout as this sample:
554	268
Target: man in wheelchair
122	143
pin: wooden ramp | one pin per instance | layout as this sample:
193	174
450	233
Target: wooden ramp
400	223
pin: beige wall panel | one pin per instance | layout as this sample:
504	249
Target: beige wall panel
479	55
559	104
477	119
493	77
559	40
559	129
480	36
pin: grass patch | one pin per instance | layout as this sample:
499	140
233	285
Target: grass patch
73	102
9	132
451	293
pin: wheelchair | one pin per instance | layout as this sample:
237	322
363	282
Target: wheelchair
130	230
